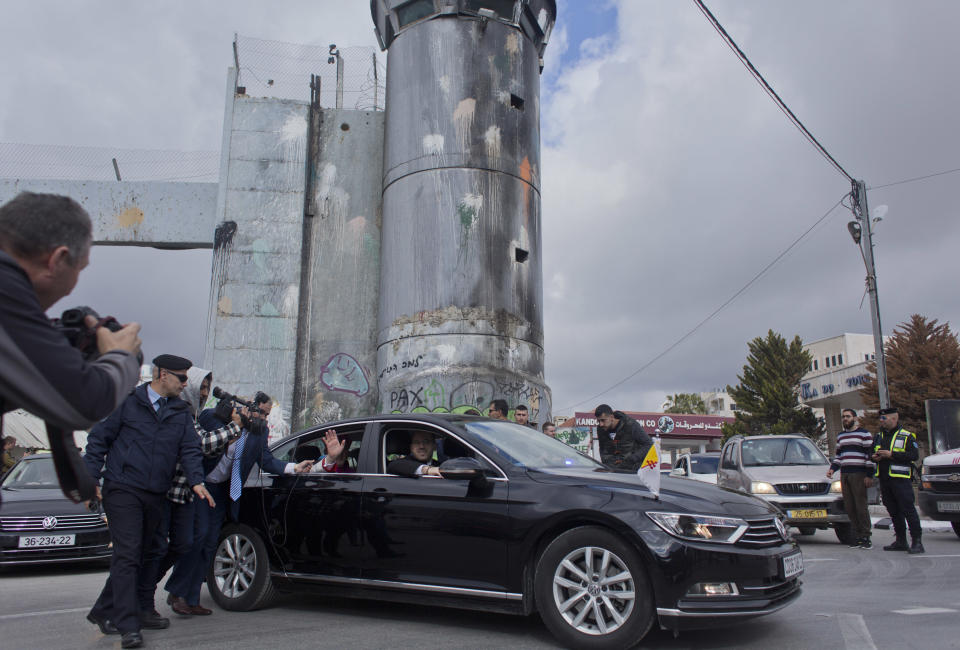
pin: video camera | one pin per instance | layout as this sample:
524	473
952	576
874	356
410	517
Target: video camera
256	426
72	323
224	396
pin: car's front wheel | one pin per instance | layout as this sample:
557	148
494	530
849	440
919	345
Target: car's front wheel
239	578
592	590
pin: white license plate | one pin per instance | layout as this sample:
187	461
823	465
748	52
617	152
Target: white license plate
792	565
948	506
43	541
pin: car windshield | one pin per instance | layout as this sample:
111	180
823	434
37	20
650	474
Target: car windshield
528	448
762	451
704	464
38	473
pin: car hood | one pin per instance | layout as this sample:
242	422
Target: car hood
788	473
679	494
951	457
38	502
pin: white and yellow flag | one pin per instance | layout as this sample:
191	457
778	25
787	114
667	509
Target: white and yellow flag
649	471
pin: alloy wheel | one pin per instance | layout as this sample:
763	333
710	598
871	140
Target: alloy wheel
593	590
235	565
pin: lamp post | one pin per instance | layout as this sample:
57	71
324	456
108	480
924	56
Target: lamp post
861	231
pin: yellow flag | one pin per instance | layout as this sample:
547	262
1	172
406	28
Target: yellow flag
649	471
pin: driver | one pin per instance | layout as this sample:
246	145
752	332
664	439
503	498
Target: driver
420	460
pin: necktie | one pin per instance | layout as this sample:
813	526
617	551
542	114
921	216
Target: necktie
161	402
236	481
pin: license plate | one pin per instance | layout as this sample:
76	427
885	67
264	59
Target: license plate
948	506
792	565
42	541
807	514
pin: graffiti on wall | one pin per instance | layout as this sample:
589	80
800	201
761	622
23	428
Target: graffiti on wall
474	395
342	373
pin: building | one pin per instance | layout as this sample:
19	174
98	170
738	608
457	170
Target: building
719	402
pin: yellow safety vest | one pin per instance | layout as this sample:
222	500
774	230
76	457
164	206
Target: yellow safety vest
898	444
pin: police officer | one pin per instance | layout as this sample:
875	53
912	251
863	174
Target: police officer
142	441
895	449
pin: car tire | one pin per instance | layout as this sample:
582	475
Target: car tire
956	527
844	532
239	576
577	606
807	530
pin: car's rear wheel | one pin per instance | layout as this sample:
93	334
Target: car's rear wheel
844	532
807	530
592	590
239	578
956	527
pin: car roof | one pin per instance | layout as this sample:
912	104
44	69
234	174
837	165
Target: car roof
777	436
436	418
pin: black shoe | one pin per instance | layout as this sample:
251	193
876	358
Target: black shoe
898	545
865	543
916	547
854	542
106	627
131	640
153	621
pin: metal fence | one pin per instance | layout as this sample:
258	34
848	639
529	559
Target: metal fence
350	77
97	163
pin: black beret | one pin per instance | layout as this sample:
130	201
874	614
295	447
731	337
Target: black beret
889	411
172	362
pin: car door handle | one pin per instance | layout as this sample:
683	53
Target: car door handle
311	483
381	495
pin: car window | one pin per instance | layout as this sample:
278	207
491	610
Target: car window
37	474
310	446
760	451
704	464
728	457
395	443
528	448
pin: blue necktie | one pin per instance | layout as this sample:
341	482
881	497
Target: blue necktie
236	481
161	402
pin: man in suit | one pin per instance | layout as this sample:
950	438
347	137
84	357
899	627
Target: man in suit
420	461
228	474
142	442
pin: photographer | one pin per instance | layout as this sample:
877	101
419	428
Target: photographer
44	244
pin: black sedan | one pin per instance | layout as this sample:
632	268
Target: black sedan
39	525
518	522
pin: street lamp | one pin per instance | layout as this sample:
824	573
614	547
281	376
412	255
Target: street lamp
860	231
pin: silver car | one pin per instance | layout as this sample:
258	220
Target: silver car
790	472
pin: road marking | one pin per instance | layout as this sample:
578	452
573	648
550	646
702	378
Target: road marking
925	555
924	610
7	617
855	634
820	559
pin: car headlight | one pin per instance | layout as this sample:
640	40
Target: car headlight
762	487
700	528
835	487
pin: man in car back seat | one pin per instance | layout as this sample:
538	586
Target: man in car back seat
335	460
419	462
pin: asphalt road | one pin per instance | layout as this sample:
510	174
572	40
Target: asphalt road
853	599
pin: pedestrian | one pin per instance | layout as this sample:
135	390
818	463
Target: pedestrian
550	429
854	449
895	450
522	416
624	443
142	442
498	409
184	518
8	461
228	474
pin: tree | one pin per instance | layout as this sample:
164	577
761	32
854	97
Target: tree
685	403
923	362
769	390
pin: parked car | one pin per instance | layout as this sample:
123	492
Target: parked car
519	523
939	492
790	472
699	467
39	525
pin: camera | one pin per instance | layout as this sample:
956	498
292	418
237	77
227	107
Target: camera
73	326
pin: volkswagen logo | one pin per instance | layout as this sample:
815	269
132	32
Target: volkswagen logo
49	522
803	487
780	528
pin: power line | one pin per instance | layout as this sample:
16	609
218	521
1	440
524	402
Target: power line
715	311
912	180
769	89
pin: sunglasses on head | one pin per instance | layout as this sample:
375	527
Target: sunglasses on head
182	378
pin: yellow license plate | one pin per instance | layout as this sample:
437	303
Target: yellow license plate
807	514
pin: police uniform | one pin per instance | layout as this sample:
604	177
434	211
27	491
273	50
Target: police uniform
896	487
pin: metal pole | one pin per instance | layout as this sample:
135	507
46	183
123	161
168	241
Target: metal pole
863	216
339	80
376	84
236	63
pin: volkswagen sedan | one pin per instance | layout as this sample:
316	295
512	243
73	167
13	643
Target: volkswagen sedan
516	522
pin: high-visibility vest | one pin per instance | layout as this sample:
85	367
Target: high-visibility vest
898	444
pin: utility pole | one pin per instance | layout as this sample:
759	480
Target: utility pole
864	226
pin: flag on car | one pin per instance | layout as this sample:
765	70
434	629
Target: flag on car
649	471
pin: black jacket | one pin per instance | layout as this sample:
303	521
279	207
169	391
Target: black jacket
407	466
908	456
141	448
255	450
629	446
42	373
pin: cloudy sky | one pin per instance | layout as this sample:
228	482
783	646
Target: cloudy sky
669	178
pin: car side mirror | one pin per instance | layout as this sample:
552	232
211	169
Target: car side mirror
463	469
679	471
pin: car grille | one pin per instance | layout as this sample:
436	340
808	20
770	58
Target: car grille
761	533
802	488
944	469
35	524
772	589
945	487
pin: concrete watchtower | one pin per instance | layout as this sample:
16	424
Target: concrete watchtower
461	291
